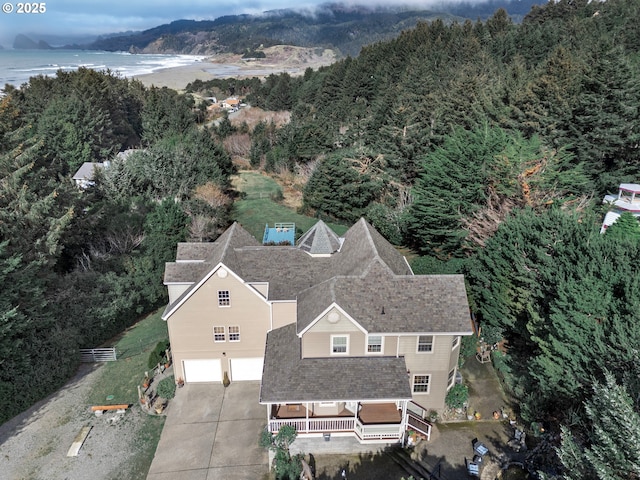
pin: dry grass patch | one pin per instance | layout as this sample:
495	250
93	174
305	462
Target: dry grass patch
252	116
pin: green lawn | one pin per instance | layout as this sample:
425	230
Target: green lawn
121	378
258	208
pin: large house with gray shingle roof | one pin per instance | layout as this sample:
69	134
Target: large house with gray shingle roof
343	337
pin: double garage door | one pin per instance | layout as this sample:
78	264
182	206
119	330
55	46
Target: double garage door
210	370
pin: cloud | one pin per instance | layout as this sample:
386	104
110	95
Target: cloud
98	17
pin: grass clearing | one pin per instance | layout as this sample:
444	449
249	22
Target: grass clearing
121	378
258	207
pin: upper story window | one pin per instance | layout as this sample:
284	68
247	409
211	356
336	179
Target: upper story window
374	344
421	383
218	334
339	344
425	343
234	334
455	342
224	299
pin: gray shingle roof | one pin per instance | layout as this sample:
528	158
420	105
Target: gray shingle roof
289	270
87	171
411	304
287	378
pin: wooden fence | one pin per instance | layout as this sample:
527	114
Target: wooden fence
91	355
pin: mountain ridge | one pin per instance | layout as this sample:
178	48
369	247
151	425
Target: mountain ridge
345	29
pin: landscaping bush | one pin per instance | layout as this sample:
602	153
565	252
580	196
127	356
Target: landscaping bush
167	387
157	355
457	396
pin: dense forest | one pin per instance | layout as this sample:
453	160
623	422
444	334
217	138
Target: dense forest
487	148
484	146
77	267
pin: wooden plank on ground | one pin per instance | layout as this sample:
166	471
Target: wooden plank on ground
123	406
78	441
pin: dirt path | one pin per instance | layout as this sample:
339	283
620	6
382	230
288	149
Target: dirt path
34	444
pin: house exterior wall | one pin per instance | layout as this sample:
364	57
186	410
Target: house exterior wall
436	363
284	313
191	325
316	342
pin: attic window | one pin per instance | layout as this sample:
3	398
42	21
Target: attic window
224	299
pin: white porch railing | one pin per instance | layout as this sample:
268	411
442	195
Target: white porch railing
315	425
329	425
419	424
378	432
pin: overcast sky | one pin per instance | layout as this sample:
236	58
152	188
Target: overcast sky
64	17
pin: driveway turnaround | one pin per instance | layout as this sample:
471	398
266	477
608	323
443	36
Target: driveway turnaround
211	433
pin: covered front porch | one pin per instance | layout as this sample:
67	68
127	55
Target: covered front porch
368	421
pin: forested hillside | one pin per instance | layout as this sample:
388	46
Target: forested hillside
79	266
487	147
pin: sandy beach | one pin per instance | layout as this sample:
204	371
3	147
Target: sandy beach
280	59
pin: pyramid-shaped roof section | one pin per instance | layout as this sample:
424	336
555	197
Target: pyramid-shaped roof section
320	240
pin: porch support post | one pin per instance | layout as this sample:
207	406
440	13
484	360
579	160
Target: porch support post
403	424
269	408
306	413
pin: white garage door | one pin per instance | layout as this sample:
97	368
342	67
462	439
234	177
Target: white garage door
202	371
246	368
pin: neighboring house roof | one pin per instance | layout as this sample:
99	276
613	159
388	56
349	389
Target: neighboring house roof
87	171
383	303
319	240
288	378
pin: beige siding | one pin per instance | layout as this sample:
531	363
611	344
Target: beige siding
191	325
316	342
437	363
263	288
175	291
284	313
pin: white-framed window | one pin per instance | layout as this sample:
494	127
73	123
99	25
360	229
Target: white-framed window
224	298
425	343
421	383
234	334
451	379
327	404
455	342
339	344
374	344
218	334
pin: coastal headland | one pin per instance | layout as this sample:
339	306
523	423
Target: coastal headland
278	59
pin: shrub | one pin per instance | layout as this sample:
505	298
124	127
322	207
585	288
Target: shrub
457	396
167	387
157	354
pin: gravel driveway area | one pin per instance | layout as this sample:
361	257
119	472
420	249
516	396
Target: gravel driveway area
34	444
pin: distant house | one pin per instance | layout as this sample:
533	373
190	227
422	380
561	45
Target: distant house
343	337
627	200
231	103
84	176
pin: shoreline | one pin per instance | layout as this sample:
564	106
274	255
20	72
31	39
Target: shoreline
178	78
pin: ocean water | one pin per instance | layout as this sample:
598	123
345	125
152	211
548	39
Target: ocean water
17	66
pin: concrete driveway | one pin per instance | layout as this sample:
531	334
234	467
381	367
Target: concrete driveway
211	433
